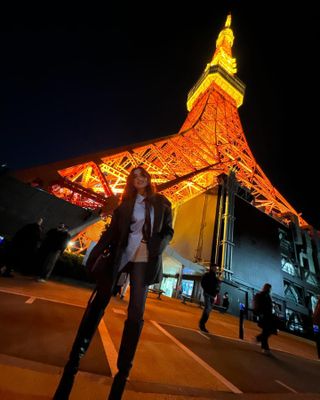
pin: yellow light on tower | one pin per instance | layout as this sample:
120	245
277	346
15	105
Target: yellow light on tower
221	70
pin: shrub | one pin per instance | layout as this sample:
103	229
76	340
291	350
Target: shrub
70	266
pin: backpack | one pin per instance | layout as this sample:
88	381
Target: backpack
257	306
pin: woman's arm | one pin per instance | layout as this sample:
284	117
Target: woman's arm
107	237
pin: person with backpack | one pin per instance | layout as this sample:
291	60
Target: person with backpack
316	313
262	307
210	284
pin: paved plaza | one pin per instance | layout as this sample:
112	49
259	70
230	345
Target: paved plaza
174	359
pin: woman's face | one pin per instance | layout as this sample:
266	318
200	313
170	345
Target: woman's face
140	180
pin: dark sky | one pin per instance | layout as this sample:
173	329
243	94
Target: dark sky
75	82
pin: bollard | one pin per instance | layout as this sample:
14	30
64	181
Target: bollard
241	317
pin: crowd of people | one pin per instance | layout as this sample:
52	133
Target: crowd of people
33	252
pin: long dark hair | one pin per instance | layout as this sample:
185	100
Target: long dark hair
130	191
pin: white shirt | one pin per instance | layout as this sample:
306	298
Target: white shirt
135	250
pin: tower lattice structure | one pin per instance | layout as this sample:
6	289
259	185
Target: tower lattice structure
210	142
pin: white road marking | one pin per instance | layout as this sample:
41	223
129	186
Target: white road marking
68	303
202	334
108	346
30	300
286	386
211	370
119	311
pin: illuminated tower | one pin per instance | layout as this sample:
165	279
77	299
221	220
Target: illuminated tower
211	143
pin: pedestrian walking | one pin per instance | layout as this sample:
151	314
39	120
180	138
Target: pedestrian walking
316	325
140	229
262	306
210	284
53	245
20	252
225	301
5	267
316	313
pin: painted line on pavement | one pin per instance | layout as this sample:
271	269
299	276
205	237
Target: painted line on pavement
249	341
119	311
30	300
189	329
68	303
207	335
108	346
211	370
202	334
286	386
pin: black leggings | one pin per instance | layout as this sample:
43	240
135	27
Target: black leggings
138	292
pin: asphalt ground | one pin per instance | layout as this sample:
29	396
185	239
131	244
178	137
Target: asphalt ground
31	332
174	360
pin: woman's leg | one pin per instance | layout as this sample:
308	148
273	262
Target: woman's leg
89	323
132	328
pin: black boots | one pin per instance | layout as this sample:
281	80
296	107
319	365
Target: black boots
129	343
88	326
118	385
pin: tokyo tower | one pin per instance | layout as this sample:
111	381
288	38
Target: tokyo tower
210	143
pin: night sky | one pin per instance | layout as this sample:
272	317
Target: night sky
82	81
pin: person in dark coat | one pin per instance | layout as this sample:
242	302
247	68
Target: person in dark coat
140	229
210	284
5	268
20	252
263	308
225	301
316	313
53	245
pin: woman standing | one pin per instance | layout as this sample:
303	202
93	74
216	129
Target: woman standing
140	229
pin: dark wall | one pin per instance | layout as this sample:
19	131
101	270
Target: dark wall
256	256
21	204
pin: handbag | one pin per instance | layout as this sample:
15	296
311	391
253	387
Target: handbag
101	269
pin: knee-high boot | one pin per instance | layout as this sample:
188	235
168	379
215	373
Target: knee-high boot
87	328
128	346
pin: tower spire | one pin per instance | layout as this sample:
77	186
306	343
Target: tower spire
223	53
220	71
